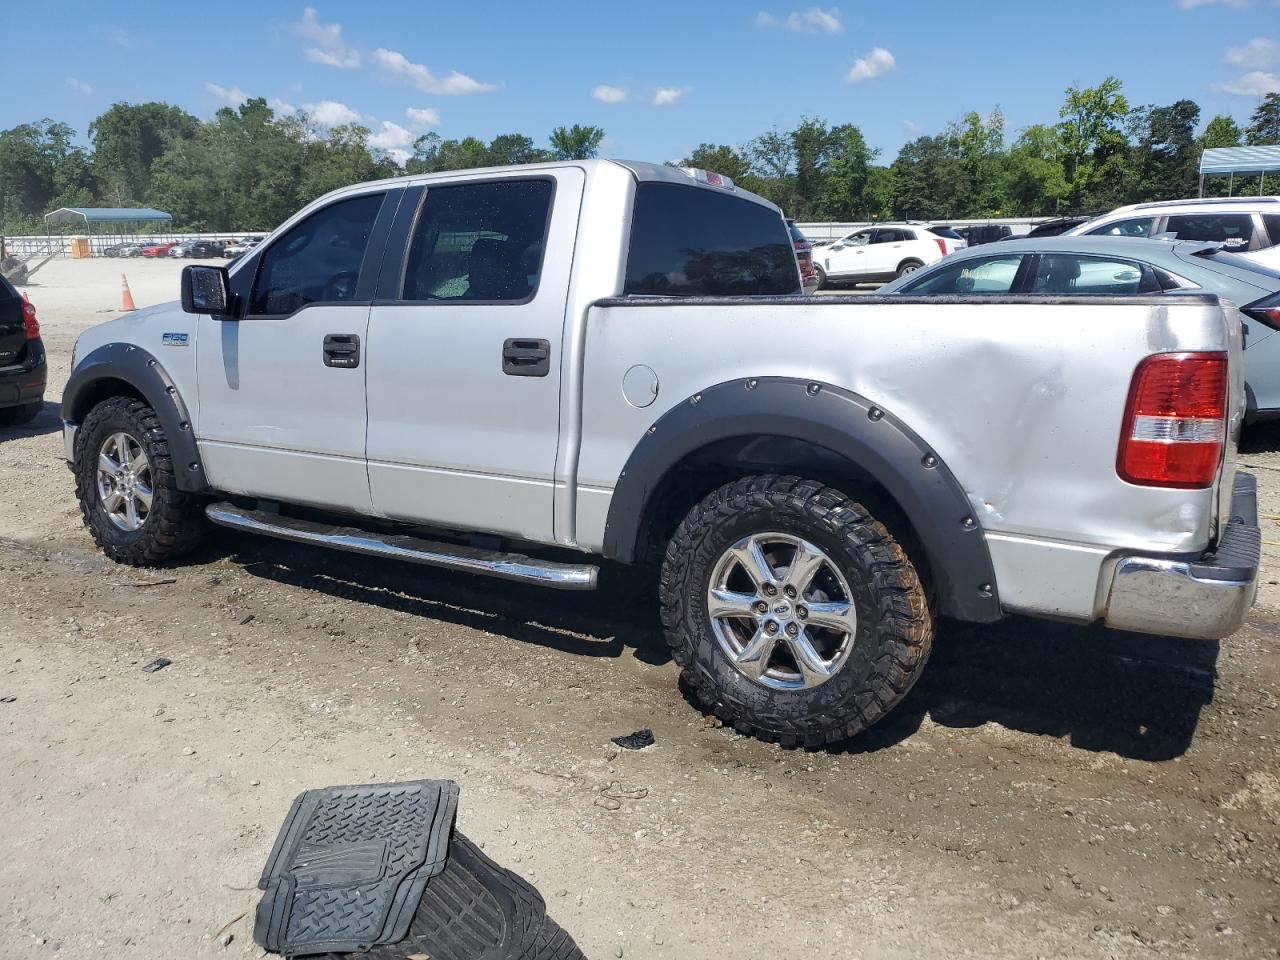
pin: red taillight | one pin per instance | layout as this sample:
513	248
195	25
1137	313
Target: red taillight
29	318
1175	421
942	245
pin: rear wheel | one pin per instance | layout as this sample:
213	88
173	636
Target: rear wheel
792	612
16	416
822	278
909	266
129	497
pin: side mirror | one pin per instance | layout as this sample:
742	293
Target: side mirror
205	290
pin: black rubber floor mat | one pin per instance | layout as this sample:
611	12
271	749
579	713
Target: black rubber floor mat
350	864
476	910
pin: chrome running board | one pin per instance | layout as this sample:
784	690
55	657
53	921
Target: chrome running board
506	566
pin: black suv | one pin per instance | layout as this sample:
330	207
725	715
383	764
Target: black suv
22	361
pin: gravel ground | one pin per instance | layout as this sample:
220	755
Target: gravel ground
1045	791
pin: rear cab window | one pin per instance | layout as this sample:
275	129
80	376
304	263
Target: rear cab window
689	241
1272	222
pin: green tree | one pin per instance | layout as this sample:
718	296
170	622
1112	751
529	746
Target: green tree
978	143
576	142
1264	125
1090	133
1221	131
846	188
127	141
929	181
38	164
514	148
725	160
1034	182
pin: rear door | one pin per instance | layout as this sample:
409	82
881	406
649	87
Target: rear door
13	331
464	358
887	250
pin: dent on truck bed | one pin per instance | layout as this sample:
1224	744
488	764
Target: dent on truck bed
845	423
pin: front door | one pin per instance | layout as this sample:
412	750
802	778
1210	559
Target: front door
464	360
282	388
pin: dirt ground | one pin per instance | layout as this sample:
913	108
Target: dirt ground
1045	791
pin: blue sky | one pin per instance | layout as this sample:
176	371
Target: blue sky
659	77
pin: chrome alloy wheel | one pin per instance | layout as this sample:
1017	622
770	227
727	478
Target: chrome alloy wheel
781	611
125	487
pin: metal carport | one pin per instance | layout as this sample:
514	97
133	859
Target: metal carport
1245	161
96	220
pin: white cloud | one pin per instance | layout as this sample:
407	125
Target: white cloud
330	49
666	96
402	68
330	113
812	20
1256	54
1192	4
79	86
282	107
1257	83
875	64
120	37
391	136
423	116
607	94
231	96
911	127
400	156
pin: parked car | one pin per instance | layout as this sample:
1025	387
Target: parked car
1249	226
241	247
116	249
1055	227
206	249
132	249
1117	266
817	479
23	368
979	234
182	249
156	249
881	252
804	258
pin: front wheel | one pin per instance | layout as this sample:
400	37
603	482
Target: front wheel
129	497
792	612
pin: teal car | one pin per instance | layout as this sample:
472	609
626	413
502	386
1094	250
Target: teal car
1123	266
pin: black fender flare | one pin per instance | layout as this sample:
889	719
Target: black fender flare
143	373
848	425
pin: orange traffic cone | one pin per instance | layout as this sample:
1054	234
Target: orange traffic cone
126	298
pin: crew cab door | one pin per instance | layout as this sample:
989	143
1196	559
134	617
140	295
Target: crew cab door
281	383
464	359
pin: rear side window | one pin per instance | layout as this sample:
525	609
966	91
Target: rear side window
1069	273
480	242
318	260
991	275
1233	230
1272	223
1135	227
693	242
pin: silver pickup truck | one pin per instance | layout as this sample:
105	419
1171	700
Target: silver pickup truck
491	370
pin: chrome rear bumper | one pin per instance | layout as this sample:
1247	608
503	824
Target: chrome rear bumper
1205	598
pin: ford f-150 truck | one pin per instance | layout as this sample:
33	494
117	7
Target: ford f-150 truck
483	370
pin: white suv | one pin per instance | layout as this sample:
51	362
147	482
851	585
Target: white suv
882	252
1249	226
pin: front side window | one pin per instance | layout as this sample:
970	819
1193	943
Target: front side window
1135	227
693	242
1232	230
1069	273
859	239
479	242
992	275
317	261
